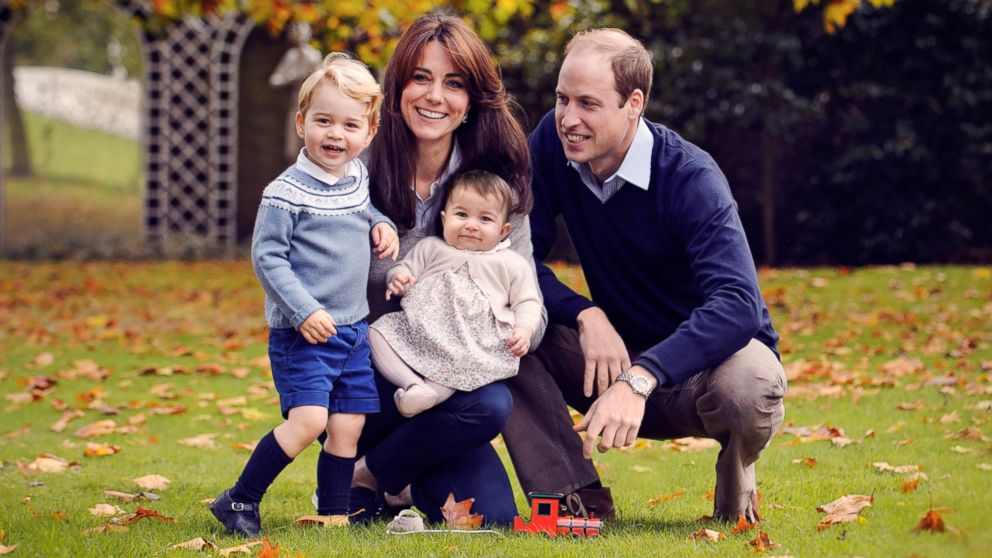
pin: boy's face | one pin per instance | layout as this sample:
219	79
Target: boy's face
473	221
335	128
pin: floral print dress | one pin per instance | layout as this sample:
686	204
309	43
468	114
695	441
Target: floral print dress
447	332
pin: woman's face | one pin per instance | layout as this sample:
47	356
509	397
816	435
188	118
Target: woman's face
435	100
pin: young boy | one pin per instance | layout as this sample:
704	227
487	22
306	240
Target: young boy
310	252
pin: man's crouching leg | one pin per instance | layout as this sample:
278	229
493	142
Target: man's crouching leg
742	408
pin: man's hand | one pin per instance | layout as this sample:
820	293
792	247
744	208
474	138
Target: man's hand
519	341
605	353
385	242
398	285
615	417
318	327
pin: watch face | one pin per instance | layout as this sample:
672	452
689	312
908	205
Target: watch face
640	384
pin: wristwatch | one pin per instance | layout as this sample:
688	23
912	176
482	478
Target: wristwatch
638	383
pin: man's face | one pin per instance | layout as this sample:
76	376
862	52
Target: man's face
592	125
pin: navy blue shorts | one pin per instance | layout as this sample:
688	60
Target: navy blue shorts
336	374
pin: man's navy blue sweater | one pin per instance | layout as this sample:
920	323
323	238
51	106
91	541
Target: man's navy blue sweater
670	266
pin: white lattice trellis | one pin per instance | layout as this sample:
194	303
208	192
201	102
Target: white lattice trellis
191	128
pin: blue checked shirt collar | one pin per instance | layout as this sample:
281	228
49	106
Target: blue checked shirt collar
635	168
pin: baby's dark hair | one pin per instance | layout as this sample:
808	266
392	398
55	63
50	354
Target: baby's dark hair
485	184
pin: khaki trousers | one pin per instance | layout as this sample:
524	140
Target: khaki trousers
738	404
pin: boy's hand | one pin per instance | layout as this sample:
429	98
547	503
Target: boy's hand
385	242
519	341
399	284
318	327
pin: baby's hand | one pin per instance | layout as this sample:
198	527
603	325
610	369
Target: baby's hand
318	327
385	242
519	341
399	284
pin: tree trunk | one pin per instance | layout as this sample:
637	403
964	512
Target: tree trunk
20	154
768	193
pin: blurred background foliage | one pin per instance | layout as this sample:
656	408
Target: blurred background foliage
852	132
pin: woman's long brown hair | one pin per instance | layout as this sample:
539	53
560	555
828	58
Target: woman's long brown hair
491	140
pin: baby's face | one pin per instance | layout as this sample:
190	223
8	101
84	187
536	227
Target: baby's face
335	128
473	221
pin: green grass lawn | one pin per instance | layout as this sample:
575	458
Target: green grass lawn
84	198
858	345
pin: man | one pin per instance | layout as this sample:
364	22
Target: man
676	340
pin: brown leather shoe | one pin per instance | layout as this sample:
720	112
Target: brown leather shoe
586	502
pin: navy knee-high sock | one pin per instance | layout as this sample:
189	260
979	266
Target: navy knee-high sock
264	465
334	483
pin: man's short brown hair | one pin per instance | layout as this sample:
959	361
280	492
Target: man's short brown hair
630	61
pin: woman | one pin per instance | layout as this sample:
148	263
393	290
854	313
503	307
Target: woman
445	111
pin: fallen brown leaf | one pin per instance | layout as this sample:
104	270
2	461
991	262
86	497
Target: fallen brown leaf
4	549
43	359
664	498
743	525
901	469
122	496
852	503
327	521
458	515
19	432
240	549
46	463
708	535
199	543
931	521
249	447
202	441
807	461
106	510
762	543
98	428
909	486
152	482
100	450
107	528
140	514
67	416
914	406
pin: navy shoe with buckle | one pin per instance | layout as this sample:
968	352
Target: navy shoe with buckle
238	517
365	505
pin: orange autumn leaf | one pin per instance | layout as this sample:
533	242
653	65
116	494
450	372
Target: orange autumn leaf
663	498
931	521
268	550
142	513
743	525
909	486
762	543
100	450
458	515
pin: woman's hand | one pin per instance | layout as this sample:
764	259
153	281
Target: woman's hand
385	242
318	327
400	282
519	341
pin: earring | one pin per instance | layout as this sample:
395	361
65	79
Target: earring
465	120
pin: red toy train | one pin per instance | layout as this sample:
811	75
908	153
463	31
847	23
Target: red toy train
545	518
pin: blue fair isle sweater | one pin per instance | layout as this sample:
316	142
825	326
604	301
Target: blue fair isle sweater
670	266
311	247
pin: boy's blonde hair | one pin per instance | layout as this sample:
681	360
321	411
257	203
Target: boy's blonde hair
352	78
486	184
